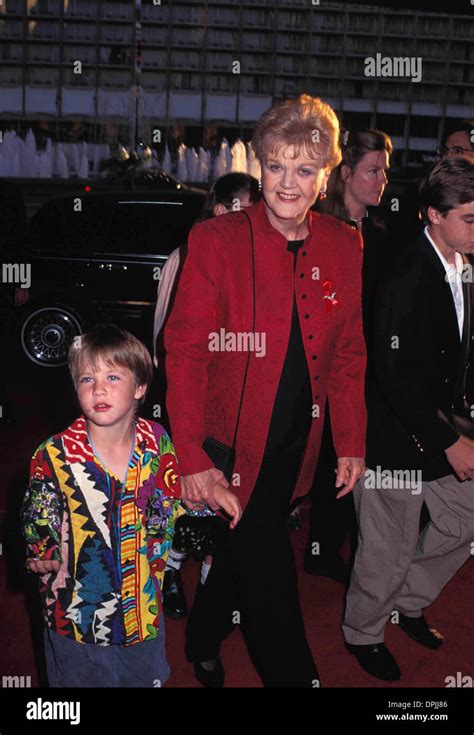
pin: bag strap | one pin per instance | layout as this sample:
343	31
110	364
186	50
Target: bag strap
254	305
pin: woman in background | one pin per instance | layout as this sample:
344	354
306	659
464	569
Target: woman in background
354	190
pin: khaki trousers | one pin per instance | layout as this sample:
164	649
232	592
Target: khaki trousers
396	567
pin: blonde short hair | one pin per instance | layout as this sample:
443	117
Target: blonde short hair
114	346
306	122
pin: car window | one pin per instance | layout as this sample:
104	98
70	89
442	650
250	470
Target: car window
151	226
70	224
114	224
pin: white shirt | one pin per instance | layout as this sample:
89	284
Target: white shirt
454	278
165	286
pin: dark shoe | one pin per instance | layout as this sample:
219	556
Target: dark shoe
174	601
335	569
213	678
376	660
419	630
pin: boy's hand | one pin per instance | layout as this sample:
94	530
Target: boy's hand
43	567
229	502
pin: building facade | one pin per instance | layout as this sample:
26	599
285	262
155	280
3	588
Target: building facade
193	70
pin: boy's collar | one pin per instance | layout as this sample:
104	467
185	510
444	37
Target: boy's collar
144	436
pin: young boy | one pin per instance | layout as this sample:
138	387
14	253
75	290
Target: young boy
99	516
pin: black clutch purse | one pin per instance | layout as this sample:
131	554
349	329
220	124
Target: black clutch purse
222	456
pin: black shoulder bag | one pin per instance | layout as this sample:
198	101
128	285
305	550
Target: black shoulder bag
221	454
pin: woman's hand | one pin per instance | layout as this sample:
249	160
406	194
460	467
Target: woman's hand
198	489
349	470
43	567
229	502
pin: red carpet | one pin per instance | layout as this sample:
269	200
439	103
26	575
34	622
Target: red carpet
322	599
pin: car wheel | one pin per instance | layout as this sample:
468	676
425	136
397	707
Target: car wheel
48	332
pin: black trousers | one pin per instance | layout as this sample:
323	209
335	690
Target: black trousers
253	582
330	519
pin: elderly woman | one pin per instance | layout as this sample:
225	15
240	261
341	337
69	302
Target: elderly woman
266	325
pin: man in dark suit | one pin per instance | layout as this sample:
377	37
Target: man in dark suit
420	428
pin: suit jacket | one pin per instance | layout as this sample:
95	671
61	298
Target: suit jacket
215	292
417	365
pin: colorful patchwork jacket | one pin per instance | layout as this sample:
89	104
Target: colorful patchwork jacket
113	539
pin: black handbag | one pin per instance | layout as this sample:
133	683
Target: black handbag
223	456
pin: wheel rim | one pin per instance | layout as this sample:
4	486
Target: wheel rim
47	335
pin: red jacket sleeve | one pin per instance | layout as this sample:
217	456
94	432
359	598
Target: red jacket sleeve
186	341
346	384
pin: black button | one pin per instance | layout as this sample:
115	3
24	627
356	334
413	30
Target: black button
306	316
316	377
304	252
310	336
303	295
301	275
314	357
127	594
316	397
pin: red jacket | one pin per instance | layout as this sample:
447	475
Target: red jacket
215	292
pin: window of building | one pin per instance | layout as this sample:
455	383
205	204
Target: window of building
13	6
290	19
84	54
399	24
10	75
219	61
181	36
256	41
356	120
85	79
42	77
154	81
184	59
11	28
427	92
81	8
259	18
256	84
43	53
116	10
366	22
43	29
154	59
422	126
391	124
221	83
120	33
461	29
80	32
116	55
116	79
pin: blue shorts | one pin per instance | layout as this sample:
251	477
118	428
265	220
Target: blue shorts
73	664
